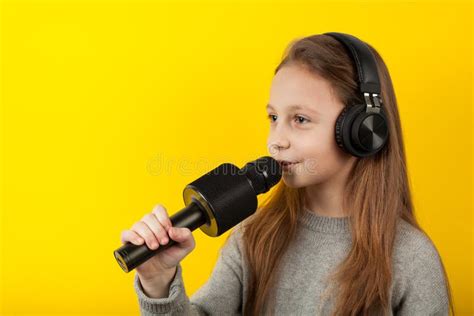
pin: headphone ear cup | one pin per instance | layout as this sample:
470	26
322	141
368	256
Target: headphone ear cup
344	125
370	131
339	125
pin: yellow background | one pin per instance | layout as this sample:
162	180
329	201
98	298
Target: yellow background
98	96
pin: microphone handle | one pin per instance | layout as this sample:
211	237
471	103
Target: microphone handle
129	256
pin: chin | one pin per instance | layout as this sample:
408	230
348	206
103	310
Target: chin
293	182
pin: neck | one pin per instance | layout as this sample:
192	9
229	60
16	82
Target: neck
325	201
326	198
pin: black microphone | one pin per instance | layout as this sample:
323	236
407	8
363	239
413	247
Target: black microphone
215	202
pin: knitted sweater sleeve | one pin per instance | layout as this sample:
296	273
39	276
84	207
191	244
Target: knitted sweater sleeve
220	295
425	288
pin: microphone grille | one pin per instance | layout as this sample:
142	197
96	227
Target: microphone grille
270	169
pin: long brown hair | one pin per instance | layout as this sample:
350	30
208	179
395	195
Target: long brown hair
268	232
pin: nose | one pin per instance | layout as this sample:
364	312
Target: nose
275	144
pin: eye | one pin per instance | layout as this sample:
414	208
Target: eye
301	119
271	117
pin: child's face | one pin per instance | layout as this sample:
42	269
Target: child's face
305	135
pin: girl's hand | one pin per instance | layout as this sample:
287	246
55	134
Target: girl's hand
155	228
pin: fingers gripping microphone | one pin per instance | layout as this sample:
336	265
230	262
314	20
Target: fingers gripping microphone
215	202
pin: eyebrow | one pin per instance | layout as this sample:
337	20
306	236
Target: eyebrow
296	107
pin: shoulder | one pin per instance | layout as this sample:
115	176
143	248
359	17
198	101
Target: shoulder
411	244
417	268
233	244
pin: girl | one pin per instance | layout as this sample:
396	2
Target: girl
337	236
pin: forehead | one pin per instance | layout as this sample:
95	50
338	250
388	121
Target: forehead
295	87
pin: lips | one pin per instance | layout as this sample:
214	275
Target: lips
286	163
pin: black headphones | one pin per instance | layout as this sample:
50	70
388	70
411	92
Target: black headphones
361	129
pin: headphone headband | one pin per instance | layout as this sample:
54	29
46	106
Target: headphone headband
364	60
369	83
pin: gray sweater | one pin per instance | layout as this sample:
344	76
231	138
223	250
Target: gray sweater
418	286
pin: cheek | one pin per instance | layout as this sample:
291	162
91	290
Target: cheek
321	144
323	157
